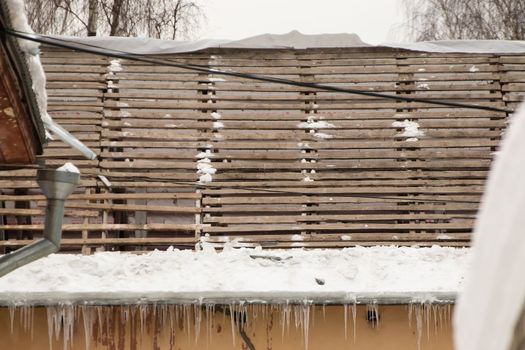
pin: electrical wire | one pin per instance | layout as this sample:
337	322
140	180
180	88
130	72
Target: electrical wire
87	48
210	186
68	44
240	319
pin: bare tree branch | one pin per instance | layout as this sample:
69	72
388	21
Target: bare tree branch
460	19
166	19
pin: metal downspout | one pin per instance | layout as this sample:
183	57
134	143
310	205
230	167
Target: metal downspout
56	186
69	139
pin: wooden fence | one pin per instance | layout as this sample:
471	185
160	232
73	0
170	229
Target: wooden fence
294	167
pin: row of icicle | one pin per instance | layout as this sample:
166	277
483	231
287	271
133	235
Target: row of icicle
102	323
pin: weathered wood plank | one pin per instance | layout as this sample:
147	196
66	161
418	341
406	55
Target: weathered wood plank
370	186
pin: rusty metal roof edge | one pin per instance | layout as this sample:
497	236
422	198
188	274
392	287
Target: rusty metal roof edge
17	58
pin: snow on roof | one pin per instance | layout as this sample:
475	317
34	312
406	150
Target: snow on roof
297	40
464	46
294	40
493	300
359	274
69	168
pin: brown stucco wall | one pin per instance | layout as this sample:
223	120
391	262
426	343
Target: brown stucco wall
167	328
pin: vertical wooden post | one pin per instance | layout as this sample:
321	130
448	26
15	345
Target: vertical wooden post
85	250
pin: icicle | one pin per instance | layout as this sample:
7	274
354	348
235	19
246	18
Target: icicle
448	314
440	315
372	312
133	324
171	317
154	323
88	317
212	317
263	311
243	315
69	325
21	316
57	321
208	323
231	307
410	308
433	316
61	318
32	322
288	317
22	319
426	309
12	310
280	311
124	311
354	317
419	325
186	315
312	316
345	308
165	314
143	315
50	326
197	311
306	322
98	309
296	316
27	318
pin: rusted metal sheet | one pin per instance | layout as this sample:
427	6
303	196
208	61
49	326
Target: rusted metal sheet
18	146
21	128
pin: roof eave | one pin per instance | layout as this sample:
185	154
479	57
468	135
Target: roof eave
225	298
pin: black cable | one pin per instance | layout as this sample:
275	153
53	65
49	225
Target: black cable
67	44
129	56
246	338
276	191
240	320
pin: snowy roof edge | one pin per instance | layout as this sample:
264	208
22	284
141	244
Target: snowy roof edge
221	297
294	40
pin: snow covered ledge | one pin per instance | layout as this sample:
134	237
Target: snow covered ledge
376	275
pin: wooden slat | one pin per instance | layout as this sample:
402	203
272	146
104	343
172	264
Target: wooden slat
274	180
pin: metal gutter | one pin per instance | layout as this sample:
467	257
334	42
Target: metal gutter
69	139
56	186
224	298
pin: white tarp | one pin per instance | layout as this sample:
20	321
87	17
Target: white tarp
494	294
465	46
294	40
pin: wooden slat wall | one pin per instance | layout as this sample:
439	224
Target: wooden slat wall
364	157
75	95
277	184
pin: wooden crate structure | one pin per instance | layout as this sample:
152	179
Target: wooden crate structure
295	167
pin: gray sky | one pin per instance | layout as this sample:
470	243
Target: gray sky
375	21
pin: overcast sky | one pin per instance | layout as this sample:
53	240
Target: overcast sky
375	21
